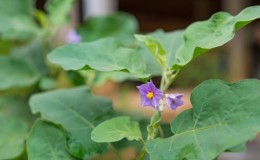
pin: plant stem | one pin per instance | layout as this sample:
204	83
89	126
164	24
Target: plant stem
161	131
167	78
169	81
162	80
142	154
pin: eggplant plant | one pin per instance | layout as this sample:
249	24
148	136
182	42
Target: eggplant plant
40	120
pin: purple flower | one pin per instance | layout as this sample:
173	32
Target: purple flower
150	95
72	37
174	100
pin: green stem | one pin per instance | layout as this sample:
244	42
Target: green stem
161	131
142	154
169	81
166	81
163	80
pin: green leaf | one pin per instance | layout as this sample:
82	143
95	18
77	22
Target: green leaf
102	77
120	25
155	47
12	134
223	116
78	111
16	107
46	141
163	45
16	7
102	55
16	73
58	11
116	129
17	21
17	27
152	66
218	30
33	53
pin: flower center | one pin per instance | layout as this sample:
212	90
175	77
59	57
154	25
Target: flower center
149	95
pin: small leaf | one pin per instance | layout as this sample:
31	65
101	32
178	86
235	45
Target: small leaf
155	47
153	44
78	111
218	30
116	129
223	116
12	134
120	25
16	73
47	141
163	44
102	55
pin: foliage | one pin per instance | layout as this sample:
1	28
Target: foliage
46	141
218	112
78	112
116	129
73	123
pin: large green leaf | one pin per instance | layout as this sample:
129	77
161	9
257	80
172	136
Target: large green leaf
46	141
58	11
120	25
218	30
17	20
16	73
116	129
223	116
78	111
12	134
102	55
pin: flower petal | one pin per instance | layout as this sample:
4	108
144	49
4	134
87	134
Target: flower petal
153	101
173	101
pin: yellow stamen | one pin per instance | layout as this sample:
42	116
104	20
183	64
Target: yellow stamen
149	95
